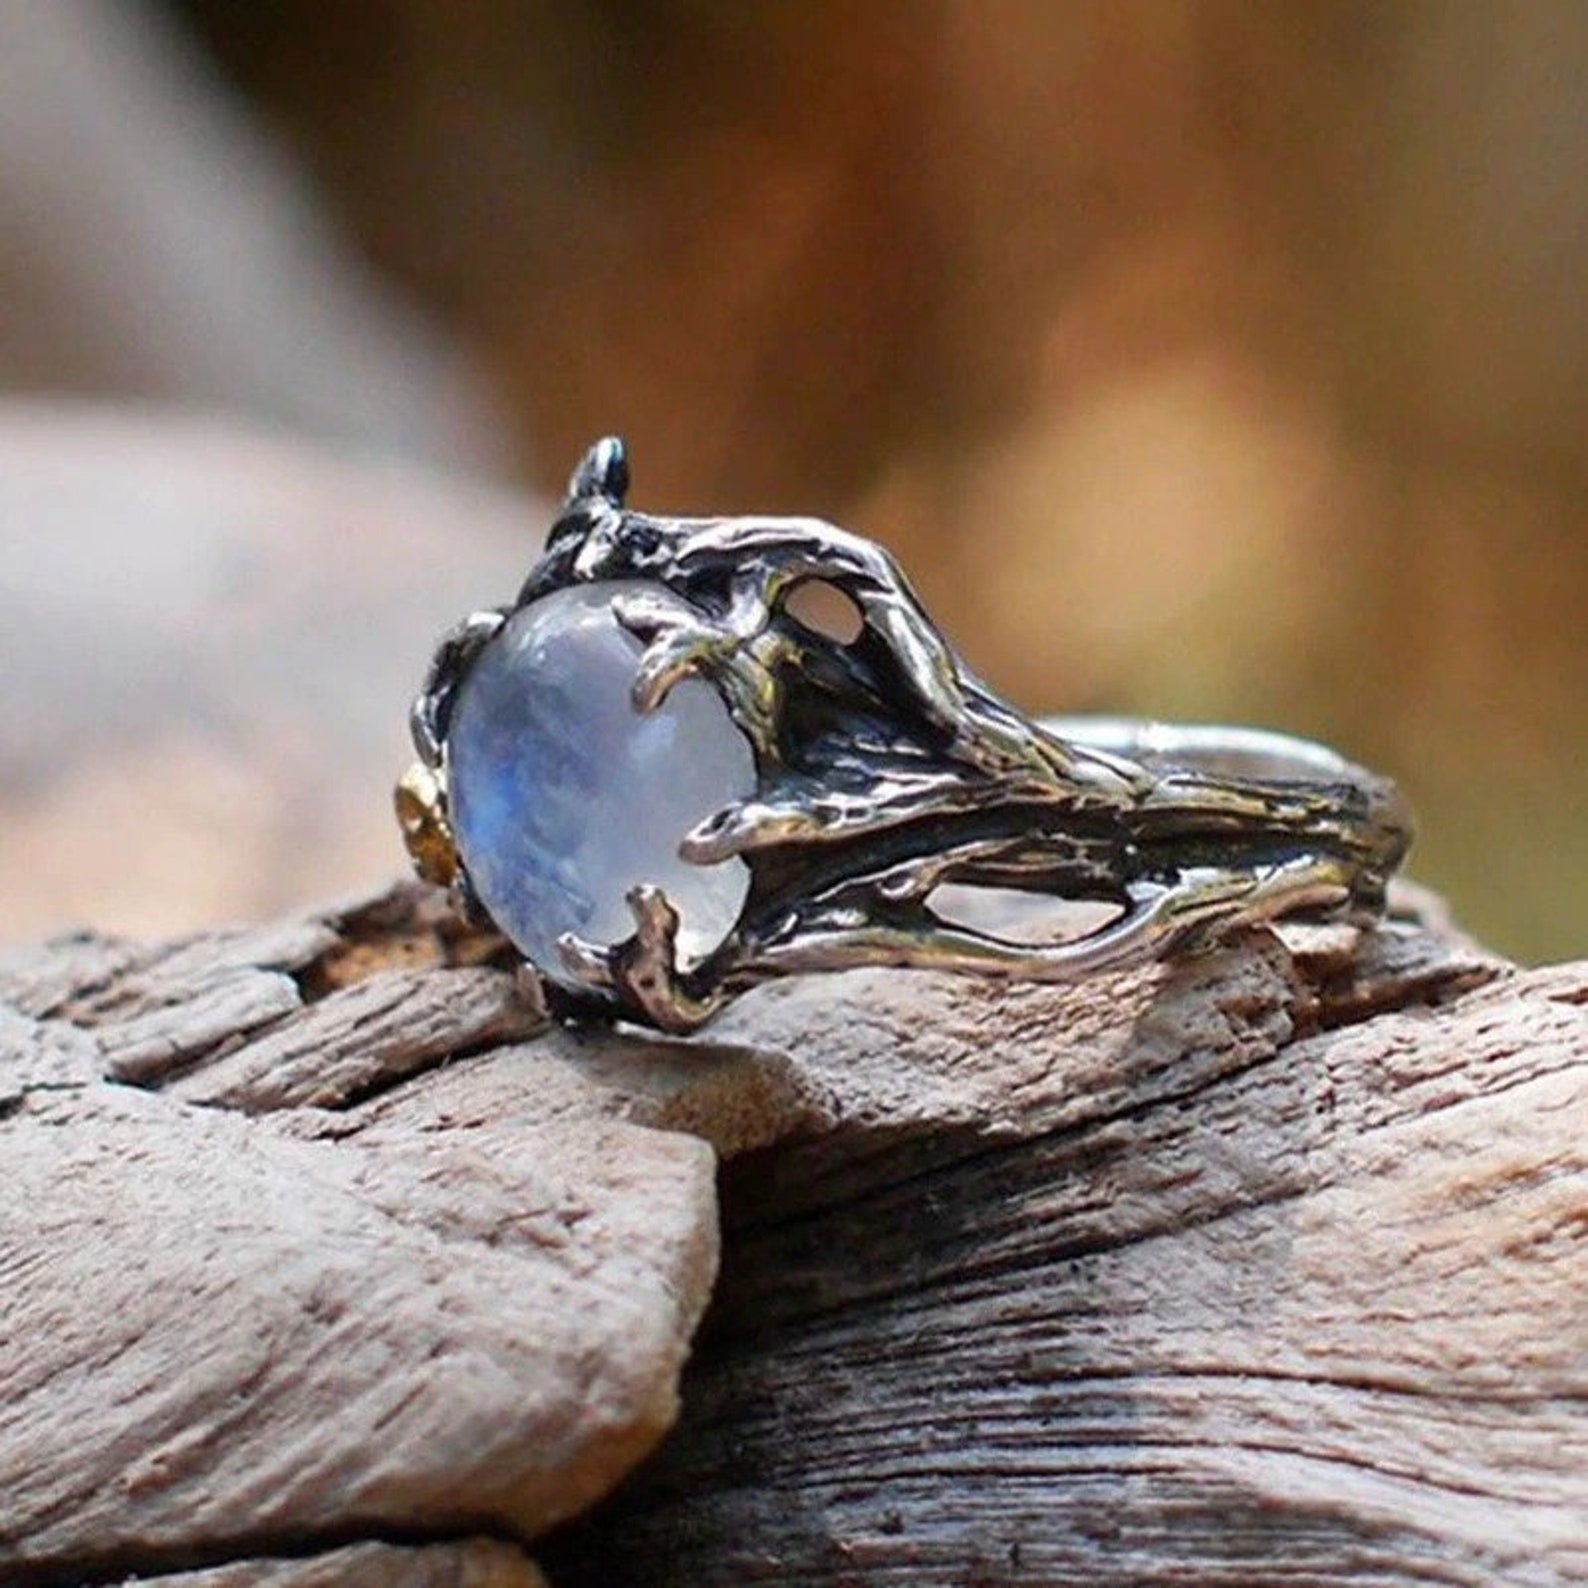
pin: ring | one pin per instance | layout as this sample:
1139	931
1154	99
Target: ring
696	753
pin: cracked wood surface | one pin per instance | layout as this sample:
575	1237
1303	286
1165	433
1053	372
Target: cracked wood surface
243	1319
1267	1266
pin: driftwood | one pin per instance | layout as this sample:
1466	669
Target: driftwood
325	1259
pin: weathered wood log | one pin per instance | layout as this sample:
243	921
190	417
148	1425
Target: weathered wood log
233	1334
1266	1266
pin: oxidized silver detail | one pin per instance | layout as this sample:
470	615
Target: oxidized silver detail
886	769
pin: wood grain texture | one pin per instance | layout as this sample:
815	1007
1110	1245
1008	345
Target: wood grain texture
233	1333
1268	1268
1263	1267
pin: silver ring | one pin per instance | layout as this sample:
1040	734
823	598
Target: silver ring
665	785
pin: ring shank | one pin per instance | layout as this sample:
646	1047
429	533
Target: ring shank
1213	749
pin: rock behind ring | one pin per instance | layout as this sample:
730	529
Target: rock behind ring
664	786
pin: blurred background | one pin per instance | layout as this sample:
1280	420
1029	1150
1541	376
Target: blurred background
1199	358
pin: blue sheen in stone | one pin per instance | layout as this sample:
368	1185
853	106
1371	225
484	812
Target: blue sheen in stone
563	796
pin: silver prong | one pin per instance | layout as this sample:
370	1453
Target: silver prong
589	962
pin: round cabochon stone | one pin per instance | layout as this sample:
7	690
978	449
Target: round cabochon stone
563	796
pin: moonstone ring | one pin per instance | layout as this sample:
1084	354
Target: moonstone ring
695	753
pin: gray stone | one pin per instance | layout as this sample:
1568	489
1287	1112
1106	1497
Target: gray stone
563	796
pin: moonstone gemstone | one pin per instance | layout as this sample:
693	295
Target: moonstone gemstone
563	796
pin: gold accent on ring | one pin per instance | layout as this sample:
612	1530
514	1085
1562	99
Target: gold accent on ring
421	801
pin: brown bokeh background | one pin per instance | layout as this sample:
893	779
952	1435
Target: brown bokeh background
1201	359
